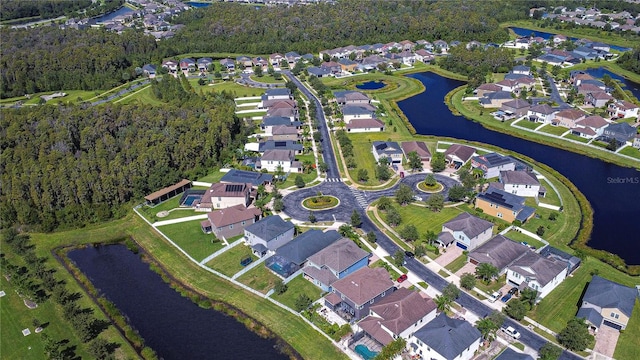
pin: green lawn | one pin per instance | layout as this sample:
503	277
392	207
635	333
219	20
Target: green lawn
630	151
424	219
189	236
144	96
457	264
551	197
551	227
576	138
296	287
519	237
393	275
494	285
213	177
230	86
527	124
561	305
228	262
180	213
150	212
267	79
291	179
260	278
629	341
554	130
72	97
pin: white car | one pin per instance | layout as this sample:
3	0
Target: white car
511	332
495	296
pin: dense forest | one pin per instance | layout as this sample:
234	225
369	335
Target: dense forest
227	27
47	9
630	60
48	59
68	166
477	62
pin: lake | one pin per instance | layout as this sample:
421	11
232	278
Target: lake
112	15
545	35
197	4
170	324
628	84
613	191
371	85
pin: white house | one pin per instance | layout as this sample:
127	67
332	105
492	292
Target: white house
467	231
445	338
351	112
268	234
541	113
276	159
389	149
623	109
365	125
521	183
536	272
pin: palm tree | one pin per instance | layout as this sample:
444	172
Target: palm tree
486	271
431	237
443	303
487	328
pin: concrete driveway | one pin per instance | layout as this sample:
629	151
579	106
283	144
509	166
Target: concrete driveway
453	252
606	340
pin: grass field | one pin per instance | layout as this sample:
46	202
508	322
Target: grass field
228	262
551	197
189	236
229	86
141	96
457	264
576	138
630	151
519	237
267	79
553	130
295	288
527	124
260	278
214	176
150	212
393	275
629	341
561	305
425	219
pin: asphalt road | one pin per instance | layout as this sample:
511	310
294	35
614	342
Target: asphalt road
351	199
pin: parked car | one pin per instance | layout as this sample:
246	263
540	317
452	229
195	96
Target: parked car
506	298
417	198
513	291
409	254
495	296
511	332
402	278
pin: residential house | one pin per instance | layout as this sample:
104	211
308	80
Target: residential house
521	69
445	338
458	155
607	303
277	94
541	113
424	55
495	99
318	72
499	251
335	262
551	60
170	65
623	109
622	132
441	46
292	58
536	272
485	89
244	61
419	147
228	64
224	195
332	66
587	88
508	85
187	64
397	315
268	234
269	122
204	63
590	127
371	62
242	176
347	65
149	71
473	44
275	59
260	62
517	107
521	183
275	160
504	205
577	77
293	255
352	296
387	149
598	99
280	145
365	125
636	142
408	57
407	45
230	222
284	133
571	262
510	354
425	44
350	97
568	117
466	230
351	112
282	110
491	164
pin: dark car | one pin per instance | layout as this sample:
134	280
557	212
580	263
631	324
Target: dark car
513	291
402	278
506	298
409	254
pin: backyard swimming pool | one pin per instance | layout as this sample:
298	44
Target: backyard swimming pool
364	352
189	200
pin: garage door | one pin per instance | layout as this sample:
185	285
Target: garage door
461	246
474	261
610	324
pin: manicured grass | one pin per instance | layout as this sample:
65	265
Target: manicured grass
214	176
554	130
320	203
228	262
443	273
141	96
519	237
296	287
629	341
457	264
424	219
494	285
550	226
180	213
233	87
267	79
630	151
551	197
527	124
150	212
393	275
561	305
291	179
576	138
260	278
189	236
430	189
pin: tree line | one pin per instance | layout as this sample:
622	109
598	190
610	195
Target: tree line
18	9
51	59
63	167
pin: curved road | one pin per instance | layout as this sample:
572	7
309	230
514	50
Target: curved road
351	199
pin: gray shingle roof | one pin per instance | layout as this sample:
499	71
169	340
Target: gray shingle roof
591	315
472	226
299	249
533	265
269	227
510	354
518	177
492	160
339	256
608	294
279	145
499	251
243	176
449	337
356	110
387	147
